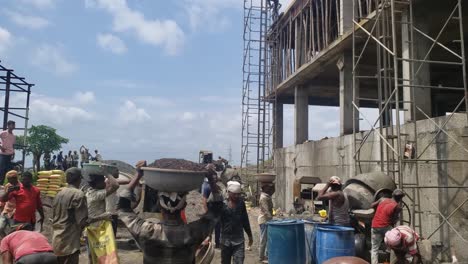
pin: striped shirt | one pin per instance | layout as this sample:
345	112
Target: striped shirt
408	239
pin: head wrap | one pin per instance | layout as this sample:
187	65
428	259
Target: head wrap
335	180
167	201
393	238
398	192
12	174
234	187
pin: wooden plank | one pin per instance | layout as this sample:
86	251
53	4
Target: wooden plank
289	49
317	25
327	19
306	37
298	43
338	16
311	21
322	23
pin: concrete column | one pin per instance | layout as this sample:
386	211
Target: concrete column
278	125
347	113
421	45
346	16
301	115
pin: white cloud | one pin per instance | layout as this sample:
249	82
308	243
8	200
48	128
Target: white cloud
32	22
5	39
202	12
112	43
51	58
127	84
219	99
85	97
154	101
41	4
130	113
166	33
50	112
284	4
188	116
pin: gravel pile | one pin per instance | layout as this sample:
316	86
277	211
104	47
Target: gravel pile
122	166
177	164
195	207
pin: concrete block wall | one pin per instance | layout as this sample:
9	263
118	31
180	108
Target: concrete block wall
334	156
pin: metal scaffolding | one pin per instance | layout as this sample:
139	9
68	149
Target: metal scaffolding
386	30
257	124
10	84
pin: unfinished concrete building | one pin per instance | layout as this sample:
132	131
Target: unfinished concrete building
404	58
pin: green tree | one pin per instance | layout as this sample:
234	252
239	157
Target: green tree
41	139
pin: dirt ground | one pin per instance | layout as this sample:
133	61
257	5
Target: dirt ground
130	254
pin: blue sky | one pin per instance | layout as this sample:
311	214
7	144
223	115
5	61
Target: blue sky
136	79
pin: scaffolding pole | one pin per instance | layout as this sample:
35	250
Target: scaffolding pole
379	27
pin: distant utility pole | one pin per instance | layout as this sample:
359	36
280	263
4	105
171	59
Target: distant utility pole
230	154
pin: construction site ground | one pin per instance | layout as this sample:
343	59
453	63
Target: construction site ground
130	254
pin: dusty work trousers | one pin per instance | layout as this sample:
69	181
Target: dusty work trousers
263	241
377	238
236	253
5	166
38	258
70	259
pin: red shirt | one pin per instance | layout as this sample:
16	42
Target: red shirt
384	213
27	203
22	243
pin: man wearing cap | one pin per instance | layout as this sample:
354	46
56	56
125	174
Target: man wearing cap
234	221
338	202
70	215
403	241
8	207
386	215
266	214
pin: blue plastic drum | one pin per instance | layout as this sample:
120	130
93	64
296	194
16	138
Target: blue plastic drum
334	241
286	242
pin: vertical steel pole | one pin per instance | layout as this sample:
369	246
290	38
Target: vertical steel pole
354	91
6	108
259	86
26	123
397	94
462	44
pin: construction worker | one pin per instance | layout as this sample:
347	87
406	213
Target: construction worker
100	187
8	208
386	215
26	247
338	202
266	214
7	151
234	221
28	201
169	241
70	216
403	241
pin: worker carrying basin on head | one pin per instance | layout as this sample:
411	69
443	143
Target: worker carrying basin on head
338	202
171	240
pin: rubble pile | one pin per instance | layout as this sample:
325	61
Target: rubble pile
177	164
